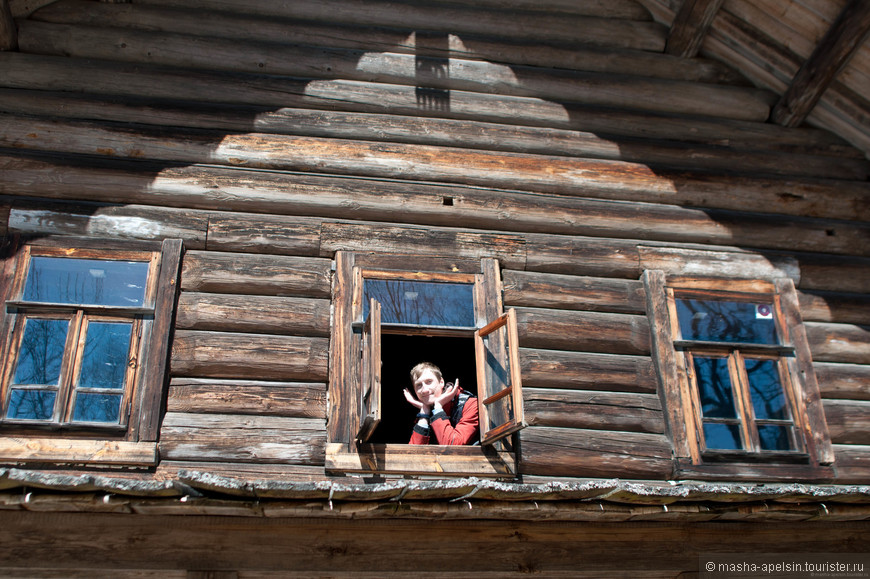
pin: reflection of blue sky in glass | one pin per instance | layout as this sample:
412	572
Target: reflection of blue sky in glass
722	436
31	404
104	362
41	353
768	398
774	437
422	303
714	386
722	321
86	281
97	407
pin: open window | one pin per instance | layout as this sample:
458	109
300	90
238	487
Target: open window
386	321
737	377
85	342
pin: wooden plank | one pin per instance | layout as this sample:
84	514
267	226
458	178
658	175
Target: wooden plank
553	28
508	249
253	314
690	25
835	307
255	274
297	236
455	74
848	421
583	331
522	288
847	343
847	381
76	451
834	50
248	356
212	396
587	371
551	451
242	438
411	459
629	412
170	469
8	28
344	361
101	221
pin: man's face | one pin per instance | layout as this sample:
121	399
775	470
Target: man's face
428	387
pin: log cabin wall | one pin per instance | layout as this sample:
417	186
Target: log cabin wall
555	136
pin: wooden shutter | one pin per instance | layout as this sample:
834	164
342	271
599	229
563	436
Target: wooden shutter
370	391
500	390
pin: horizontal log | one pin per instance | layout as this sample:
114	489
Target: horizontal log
847	381
587	256
253	314
629	412
453	74
699	154
547	28
290	399
100	221
522	288
539	173
721	263
237	438
853	463
585	371
298	236
73	451
255	274
244	27
839	342
818	271
835	307
249	356
170	469
848	421
583	331
548	451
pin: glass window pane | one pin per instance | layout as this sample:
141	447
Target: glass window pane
422	303
714	387
722	436
86	281
768	398
775	437
97	407
31	404
41	354
723	321
104	362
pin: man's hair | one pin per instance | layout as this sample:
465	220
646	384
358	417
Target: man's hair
422	367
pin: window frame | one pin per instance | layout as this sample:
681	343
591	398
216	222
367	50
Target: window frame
133	440
350	372
673	357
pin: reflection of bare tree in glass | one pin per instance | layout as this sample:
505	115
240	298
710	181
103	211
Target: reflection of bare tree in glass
717	399
430	303
39	362
767	395
69	285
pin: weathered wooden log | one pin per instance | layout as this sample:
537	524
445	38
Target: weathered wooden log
169	469
254	274
546	174
211	396
847	343
845	381
453	74
598	410
583	331
759	158
715	262
835	307
853	463
587	371
551	451
690	25
249	356
848	421
8	28
241	438
299	236
100	221
253	314
548	28
572	292
817	272
241	27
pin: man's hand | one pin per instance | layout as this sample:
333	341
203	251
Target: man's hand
449	394
415	403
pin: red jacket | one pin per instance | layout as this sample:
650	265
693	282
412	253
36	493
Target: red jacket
452	425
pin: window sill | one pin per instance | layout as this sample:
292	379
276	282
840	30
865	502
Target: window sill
75	451
421	460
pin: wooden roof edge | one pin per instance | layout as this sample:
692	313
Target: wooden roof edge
190	484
